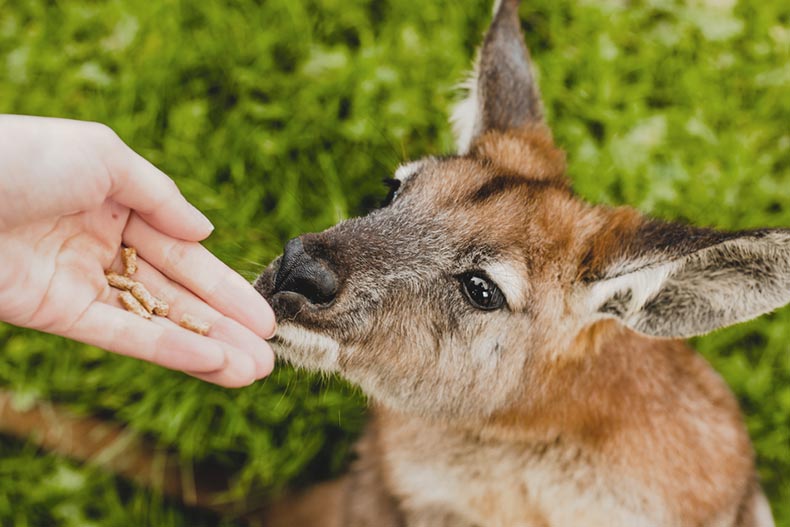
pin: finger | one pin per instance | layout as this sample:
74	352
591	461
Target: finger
122	332
181	301
228	330
142	187
235	371
235	374
215	378
193	266
229	377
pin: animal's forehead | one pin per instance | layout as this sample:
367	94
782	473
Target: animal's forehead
445	181
456	178
482	203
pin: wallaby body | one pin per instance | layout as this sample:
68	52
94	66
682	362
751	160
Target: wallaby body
517	343
649	459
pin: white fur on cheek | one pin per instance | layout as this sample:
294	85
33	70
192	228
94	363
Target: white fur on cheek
306	349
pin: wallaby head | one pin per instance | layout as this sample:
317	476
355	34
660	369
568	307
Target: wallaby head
477	280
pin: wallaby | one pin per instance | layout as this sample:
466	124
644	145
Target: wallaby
518	344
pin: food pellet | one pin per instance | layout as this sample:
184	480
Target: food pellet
119	281
161	308
148	301
129	260
191	323
133	305
137	299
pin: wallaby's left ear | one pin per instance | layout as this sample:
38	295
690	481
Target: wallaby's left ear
503	94
670	280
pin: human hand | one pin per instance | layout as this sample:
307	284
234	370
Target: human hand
71	193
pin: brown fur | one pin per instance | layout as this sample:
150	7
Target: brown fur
529	151
626	395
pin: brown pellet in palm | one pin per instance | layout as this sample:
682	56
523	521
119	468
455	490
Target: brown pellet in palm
133	305
129	260
119	281
193	324
145	298
144	301
161	308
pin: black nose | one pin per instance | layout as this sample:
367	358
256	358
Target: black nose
301	273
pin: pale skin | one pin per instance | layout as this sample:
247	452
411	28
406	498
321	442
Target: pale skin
71	193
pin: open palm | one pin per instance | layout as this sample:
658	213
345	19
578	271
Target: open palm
72	194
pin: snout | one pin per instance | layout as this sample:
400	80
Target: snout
304	275
302	282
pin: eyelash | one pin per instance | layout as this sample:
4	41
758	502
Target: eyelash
393	185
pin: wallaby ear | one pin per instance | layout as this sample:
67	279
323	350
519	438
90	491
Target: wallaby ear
503	94
670	280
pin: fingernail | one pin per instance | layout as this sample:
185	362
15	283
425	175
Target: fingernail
202	218
263	357
254	312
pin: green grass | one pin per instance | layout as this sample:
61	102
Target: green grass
281	117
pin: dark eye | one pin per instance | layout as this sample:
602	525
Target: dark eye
481	291
394	186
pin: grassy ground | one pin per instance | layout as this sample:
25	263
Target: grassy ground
281	117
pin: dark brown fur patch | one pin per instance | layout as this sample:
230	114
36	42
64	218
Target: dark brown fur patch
627	235
614	234
503	183
495	186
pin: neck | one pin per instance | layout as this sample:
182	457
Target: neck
608	377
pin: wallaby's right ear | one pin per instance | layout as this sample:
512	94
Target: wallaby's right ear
503	94
671	280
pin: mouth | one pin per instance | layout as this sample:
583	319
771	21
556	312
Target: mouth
306	349
305	335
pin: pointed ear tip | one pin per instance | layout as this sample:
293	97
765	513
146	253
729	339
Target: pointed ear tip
499	5
506	9
502	93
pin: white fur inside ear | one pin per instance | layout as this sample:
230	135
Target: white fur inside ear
466	114
723	284
624	294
